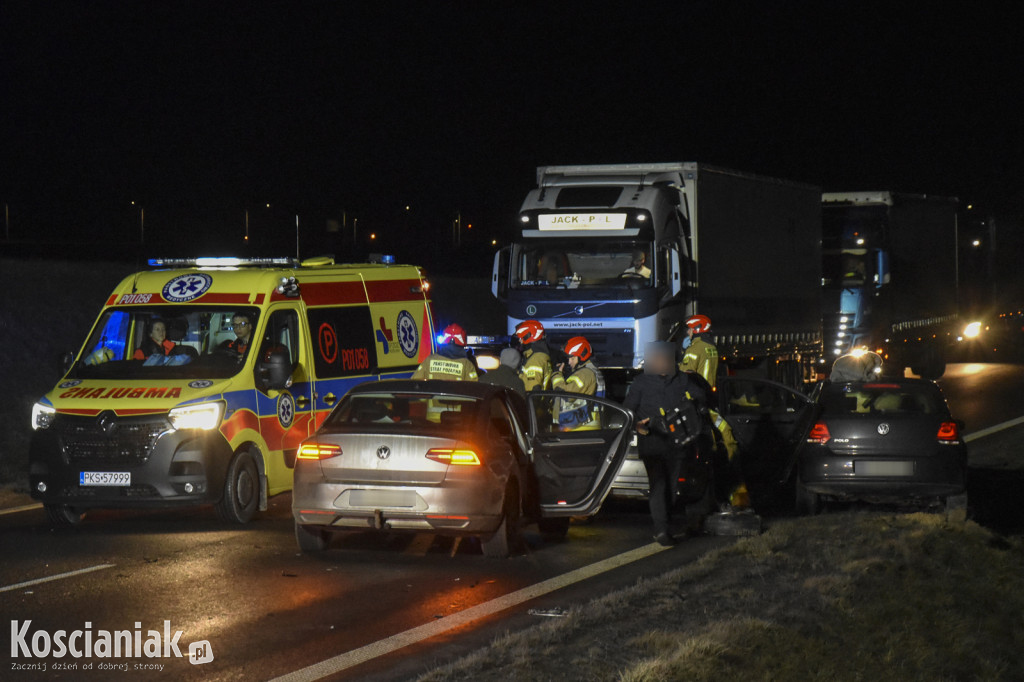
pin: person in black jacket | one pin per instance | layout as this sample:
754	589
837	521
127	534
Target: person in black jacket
658	391
507	373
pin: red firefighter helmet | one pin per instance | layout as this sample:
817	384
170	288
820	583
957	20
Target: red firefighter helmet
453	333
579	347
700	324
529	331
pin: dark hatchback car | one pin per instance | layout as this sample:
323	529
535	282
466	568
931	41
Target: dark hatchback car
891	441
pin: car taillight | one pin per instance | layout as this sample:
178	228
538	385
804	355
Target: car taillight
819	434
318	451
948	431
454	456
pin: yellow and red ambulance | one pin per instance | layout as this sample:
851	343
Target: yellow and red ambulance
201	377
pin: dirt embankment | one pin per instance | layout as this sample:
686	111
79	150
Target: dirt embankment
848	596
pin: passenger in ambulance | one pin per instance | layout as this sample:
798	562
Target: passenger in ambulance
241	324
156	342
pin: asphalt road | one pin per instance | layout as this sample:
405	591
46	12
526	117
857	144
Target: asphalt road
268	611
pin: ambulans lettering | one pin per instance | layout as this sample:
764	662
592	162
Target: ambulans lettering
103	392
131	299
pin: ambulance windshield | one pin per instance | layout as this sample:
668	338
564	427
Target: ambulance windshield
173	342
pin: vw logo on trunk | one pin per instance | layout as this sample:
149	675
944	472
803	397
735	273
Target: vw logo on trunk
383	452
883	429
578	310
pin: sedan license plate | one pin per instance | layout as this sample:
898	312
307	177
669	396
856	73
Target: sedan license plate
115	478
883	468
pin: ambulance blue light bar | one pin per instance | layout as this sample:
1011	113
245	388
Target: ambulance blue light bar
220	262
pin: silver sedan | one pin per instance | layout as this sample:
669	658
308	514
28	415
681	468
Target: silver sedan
456	458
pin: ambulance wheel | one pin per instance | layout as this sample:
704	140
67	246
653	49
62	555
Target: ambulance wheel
241	496
503	542
554	529
62	515
311	538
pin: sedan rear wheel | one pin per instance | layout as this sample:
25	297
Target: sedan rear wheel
807	503
311	538
506	538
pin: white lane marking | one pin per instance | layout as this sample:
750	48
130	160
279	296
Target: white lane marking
15	510
993	429
381	647
59	576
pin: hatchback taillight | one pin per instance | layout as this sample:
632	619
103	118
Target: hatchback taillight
318	451
819	434
948	431
454	456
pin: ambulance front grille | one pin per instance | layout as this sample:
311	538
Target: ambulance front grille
129	442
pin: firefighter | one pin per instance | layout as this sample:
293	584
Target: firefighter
698	355
451	362
660	390
584	377
536	371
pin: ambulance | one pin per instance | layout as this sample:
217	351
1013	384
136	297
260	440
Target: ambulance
201	377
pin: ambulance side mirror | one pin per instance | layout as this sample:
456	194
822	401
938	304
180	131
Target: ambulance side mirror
274	371
66	361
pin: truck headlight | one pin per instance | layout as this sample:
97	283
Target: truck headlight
42	416
204	416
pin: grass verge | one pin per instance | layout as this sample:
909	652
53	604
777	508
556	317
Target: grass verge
852	596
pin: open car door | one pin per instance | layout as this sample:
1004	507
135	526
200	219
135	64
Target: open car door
768	420
578	444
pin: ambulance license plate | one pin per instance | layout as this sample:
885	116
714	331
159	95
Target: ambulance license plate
116	478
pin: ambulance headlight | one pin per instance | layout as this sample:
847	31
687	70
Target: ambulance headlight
203	416
42	416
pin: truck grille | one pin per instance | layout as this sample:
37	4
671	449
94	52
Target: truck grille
124	441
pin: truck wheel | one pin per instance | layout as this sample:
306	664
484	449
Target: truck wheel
505	539
241	496
311	538
62	515
554	529
807	503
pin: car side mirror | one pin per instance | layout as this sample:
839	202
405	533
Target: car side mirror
274	370
66	362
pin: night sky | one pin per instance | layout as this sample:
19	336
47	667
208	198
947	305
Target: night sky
199	111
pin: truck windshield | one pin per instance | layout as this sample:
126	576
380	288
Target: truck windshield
173	342
575	264
846	269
